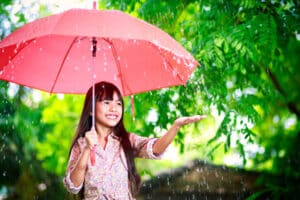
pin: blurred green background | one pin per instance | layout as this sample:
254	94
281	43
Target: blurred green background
247	85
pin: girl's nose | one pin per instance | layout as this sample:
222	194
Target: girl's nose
113	106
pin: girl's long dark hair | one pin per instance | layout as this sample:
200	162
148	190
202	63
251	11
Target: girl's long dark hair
104	91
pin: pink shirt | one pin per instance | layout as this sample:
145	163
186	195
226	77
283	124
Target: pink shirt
108	179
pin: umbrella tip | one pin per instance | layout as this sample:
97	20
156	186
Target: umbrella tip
94	5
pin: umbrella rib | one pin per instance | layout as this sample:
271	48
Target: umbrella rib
114	52
62	64
168	63
21	49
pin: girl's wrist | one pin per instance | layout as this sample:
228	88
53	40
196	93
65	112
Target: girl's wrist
176	126
87	148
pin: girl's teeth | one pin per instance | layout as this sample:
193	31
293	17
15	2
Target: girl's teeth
111	116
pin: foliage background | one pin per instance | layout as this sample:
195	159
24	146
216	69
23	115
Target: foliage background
248	85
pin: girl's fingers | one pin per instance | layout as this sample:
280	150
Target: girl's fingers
191	119
91	138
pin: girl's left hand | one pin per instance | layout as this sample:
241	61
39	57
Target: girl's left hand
181	121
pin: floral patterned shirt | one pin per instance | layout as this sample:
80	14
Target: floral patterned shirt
108	178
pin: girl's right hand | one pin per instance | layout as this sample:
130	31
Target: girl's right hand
91	138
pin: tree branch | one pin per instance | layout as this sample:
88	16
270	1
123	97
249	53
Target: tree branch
291	106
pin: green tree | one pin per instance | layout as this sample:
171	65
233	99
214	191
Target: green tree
248	52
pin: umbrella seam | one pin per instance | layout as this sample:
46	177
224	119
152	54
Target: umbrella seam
21	49
114	52
168	63
61	66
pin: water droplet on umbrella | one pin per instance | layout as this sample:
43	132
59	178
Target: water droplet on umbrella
115	77
165	65
41	49
76	68
105	69
94	76
175	72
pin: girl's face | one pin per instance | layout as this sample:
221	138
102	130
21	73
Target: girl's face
109	112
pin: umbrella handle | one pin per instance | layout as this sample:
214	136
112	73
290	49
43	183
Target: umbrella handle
93	155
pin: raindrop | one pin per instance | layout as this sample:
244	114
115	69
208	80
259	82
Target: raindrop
104	69
1	72
115	77
94	76
165	65
41	49
76	68
4	173
175	72
42	186
105	63
3	51
34	41
178	61
156	42
15	50
118	58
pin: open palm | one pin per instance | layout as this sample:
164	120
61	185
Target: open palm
181	121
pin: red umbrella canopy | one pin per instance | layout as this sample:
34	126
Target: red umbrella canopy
54	53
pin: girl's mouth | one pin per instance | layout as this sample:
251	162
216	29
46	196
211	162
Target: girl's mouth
111	116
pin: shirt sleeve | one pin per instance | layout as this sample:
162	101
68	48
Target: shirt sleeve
143	146
74	156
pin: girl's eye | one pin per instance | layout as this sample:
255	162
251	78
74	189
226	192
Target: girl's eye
119	104
106	102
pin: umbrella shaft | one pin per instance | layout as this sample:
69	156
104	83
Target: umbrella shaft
94	49
94	46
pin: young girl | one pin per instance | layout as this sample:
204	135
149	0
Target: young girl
113	176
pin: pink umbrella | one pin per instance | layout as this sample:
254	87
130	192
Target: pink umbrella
54	53
70	51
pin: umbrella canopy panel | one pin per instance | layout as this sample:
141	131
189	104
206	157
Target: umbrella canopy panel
54	54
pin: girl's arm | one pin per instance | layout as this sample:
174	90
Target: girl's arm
163	142
78	173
